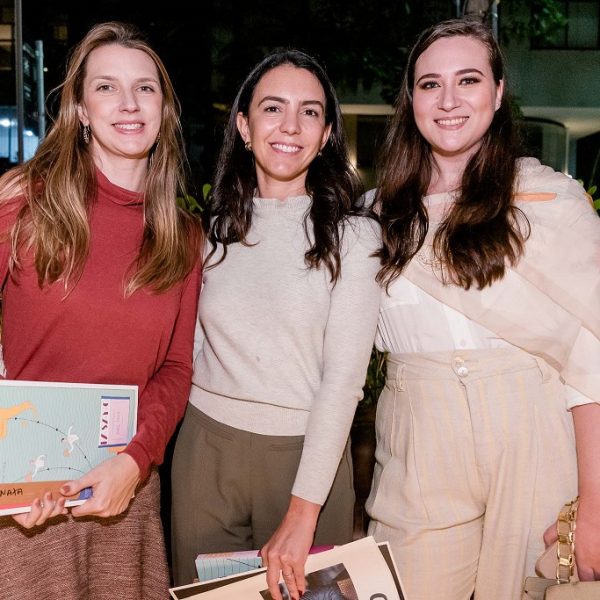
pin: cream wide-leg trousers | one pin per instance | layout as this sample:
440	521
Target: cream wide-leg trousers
475	457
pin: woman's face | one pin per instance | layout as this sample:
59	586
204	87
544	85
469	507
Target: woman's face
455	96
286	127
122	104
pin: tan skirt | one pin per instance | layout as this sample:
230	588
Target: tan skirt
101	559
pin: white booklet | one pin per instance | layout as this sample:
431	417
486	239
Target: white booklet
361	570
54	432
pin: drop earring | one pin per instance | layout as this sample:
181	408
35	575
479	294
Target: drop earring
86	134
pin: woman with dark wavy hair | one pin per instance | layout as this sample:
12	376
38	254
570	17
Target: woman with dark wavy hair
490	264
100	285
288	318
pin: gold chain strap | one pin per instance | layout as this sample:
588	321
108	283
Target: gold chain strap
565	549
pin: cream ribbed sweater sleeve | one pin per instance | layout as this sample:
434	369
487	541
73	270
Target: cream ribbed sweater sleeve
348	339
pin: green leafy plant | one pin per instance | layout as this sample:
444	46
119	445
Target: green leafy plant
375	378
191	204
591	191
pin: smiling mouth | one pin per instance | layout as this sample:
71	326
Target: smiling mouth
452	122
288	149
128	126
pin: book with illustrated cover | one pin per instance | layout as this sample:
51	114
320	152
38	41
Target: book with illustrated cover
55	432
359	570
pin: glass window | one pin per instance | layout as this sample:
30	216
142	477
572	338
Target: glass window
582	29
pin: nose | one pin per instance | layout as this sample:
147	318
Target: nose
448	98
289	122
129	101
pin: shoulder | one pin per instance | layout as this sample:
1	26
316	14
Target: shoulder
369	198
362	232
542	190
12	193
12	186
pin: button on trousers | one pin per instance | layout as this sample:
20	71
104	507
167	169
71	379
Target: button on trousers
475	457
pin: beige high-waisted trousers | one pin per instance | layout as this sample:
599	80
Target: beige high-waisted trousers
475	457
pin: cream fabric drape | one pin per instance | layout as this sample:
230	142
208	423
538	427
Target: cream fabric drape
549	303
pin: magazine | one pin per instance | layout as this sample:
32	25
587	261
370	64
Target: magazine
215	565
222	564
55	432
360	570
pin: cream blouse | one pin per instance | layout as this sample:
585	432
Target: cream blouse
546	305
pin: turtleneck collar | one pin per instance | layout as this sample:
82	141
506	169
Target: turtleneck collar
117	194
291	203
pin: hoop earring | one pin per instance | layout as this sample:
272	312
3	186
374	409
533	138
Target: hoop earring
86	134
248	146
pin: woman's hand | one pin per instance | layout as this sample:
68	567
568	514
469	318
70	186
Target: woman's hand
113	483
587	539
587	533
42	509
288	548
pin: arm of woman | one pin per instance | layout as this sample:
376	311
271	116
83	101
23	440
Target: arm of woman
587	435
347	344
161	407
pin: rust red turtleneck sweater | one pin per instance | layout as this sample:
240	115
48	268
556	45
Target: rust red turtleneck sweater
95	334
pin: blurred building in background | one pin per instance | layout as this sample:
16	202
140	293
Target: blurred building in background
553	76
555	82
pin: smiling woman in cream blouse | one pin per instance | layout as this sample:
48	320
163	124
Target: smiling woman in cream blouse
490	316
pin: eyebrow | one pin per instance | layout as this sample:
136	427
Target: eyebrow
285	101
459	72
113	78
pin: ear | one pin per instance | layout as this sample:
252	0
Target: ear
499	92
241	121
326	135
82	114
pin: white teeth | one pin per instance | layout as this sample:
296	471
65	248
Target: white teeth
455	121
285	148
129	126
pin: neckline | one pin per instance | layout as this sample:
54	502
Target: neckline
117	194
289	203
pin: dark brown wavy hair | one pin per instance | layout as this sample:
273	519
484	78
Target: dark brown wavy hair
483	231
59	183
331	181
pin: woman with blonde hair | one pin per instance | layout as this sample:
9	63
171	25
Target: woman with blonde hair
100	285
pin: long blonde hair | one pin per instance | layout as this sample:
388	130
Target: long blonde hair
60	180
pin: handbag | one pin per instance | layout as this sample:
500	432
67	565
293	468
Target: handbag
557	569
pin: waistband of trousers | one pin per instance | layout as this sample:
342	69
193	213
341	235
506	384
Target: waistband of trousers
461	364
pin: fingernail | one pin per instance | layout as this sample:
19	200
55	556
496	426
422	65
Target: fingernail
64	490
